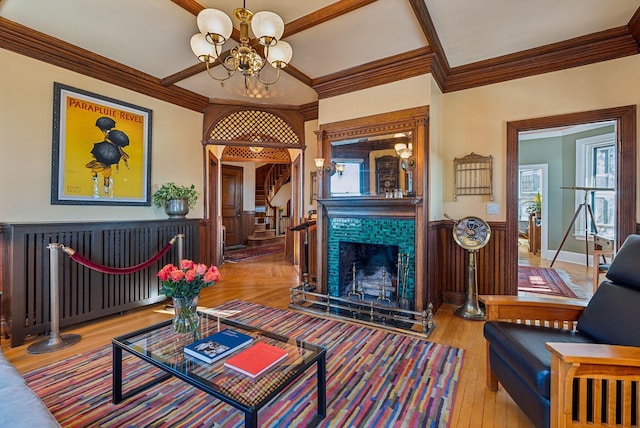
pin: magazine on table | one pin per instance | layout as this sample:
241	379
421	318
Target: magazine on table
256	359
218	345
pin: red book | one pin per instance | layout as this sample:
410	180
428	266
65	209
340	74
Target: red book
256	359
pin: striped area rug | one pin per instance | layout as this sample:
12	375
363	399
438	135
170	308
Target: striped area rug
374	378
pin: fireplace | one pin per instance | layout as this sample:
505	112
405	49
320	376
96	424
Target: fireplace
369	272
377	242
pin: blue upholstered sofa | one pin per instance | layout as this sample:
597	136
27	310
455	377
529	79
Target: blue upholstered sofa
19	406
566	362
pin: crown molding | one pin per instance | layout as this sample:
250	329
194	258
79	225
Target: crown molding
25	41
398	67
592	48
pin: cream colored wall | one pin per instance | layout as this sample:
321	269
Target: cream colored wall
436	148
400	95
461	122
310	153
26	111
475	120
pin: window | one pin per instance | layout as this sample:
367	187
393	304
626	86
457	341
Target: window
596	169
529	185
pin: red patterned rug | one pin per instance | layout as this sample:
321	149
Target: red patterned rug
543	281
251	252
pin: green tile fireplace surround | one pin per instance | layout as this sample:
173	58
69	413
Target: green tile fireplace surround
386	231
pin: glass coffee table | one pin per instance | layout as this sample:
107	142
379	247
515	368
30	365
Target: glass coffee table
160	346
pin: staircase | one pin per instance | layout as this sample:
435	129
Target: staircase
268	182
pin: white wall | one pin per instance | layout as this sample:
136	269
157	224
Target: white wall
26	112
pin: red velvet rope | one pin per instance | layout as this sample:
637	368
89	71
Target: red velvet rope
116	270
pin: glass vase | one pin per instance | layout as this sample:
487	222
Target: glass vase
185	315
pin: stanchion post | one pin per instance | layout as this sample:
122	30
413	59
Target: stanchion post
180	238
55	341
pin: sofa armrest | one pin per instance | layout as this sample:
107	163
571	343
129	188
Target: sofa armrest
533	310
612	373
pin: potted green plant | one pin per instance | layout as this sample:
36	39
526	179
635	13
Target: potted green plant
534	206
176	200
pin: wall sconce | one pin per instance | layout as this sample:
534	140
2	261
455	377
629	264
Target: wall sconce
328	169
340	169
403	150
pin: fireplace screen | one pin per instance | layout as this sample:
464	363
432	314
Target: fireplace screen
369	272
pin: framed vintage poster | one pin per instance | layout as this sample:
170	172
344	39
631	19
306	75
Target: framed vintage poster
101	150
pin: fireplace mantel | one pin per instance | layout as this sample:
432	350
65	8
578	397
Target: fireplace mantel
370	207
372	220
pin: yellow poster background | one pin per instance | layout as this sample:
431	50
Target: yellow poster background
81	133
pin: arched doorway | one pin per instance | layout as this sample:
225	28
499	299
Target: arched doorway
257	136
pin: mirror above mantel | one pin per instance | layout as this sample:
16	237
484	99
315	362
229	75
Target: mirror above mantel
377	156
373	165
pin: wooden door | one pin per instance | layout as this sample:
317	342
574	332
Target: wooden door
232	204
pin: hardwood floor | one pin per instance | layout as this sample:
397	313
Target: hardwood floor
266	280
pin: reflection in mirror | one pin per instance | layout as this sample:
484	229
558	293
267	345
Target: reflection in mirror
376	165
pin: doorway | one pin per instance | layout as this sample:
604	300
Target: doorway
625	179
232	177
533	188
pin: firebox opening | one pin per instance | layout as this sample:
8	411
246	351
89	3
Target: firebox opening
369	272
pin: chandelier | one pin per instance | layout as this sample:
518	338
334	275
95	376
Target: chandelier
216	28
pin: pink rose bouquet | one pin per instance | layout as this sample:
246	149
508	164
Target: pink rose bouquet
187	279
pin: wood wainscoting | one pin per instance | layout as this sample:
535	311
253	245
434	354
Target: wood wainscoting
448	275
85	294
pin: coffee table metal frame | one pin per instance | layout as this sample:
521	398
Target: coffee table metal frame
170	359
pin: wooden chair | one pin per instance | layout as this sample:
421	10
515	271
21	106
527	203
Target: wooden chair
575	364
567	363
602	248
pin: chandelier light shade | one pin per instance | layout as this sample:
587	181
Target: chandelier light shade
202	48
216	28
267	27
215	25
280	54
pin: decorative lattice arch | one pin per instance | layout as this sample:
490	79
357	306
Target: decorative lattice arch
268	154
255	126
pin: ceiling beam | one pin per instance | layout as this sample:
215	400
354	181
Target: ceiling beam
428	28
387	70
325	14
191	6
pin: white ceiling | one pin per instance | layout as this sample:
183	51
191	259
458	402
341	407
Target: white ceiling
152	36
